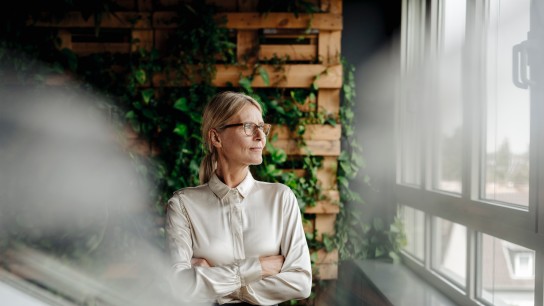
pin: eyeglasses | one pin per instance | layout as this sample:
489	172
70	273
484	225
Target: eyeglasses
250	128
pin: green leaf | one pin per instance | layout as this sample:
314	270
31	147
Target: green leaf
181	129
245	83
264	75
140	76
181	104
130	115
147	94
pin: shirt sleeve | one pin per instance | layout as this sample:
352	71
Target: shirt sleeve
201	284
295	278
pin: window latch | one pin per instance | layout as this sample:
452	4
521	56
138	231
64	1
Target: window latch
519	65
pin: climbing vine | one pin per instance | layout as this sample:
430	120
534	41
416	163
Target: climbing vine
166	113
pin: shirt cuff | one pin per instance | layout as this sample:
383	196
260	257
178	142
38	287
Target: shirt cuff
250	270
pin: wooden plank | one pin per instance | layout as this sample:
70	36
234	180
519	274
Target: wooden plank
329	100
235	20
324	224
336	7
65	39
308	226
313	131
324	257
255	21
327	206
118	20
142	39
290	52
296	35
329	43
247	5
313	147
325	271
131	142
328	172
160	38
291	76
247	44
331	6
97	47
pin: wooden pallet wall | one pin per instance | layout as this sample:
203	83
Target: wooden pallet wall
310	41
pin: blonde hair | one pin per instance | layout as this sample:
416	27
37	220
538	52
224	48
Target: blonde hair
217	112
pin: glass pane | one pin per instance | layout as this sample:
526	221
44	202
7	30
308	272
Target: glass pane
507	153
414	226
448	120
506	272
409	111
410	145
450	250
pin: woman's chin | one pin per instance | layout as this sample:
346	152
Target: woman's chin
256	161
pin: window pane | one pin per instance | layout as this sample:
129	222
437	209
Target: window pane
507	149
410	145
414	226
506	275
448	120
450	250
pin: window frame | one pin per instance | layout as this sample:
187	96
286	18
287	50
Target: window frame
522	226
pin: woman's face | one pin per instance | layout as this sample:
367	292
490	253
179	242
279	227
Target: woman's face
238	149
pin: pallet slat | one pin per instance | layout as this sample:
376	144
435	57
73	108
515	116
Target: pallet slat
327	206
328	99
326	174
313	132
313	147
292	76
291	52
324	223
257	21
329	43
325	271
165	20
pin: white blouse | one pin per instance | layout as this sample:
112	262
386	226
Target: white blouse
231	229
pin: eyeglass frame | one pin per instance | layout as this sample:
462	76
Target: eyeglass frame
254	130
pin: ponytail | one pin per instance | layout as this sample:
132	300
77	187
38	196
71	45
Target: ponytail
207	167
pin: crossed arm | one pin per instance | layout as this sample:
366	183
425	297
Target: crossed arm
264	280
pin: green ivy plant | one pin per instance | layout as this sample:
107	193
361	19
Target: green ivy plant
168	118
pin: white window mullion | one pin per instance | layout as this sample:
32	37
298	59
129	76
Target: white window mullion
539	278
472	261
428	242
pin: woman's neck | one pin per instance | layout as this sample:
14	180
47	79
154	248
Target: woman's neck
232	177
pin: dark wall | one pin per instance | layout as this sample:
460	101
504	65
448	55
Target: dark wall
370	41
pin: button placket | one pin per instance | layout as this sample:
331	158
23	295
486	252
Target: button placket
237	225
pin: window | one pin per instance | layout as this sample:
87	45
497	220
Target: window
506	153
414	226
470	148
449	250
506	272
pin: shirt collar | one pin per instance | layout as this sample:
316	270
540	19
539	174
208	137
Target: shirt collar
221	190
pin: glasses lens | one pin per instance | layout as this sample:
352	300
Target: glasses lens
251	128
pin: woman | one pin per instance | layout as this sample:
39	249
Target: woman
234	239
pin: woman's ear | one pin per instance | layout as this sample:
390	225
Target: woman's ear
215	140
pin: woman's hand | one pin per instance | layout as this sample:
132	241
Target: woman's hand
200	262
271	265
